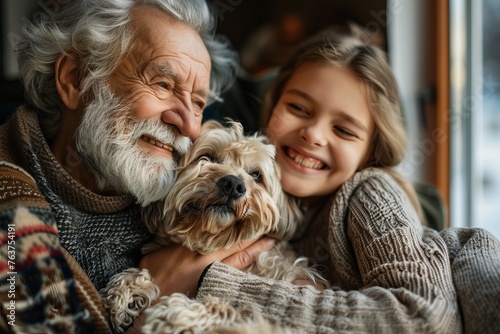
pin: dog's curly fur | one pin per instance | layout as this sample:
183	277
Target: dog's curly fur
227	190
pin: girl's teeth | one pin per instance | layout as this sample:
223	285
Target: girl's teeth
304	161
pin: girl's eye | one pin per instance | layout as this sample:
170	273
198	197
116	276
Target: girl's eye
296	107
256	176
345	132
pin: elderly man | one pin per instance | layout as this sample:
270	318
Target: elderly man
115	93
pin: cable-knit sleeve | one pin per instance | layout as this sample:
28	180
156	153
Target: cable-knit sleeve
392	275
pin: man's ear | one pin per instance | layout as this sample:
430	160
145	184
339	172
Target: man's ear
68	80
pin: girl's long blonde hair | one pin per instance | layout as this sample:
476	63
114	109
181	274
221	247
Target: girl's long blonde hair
369	63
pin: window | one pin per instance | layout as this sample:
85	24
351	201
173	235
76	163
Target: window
475	114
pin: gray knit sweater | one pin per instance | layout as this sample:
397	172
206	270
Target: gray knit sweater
68	241
390	274
103	233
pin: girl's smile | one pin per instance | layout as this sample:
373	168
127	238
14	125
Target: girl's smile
303	161
322	130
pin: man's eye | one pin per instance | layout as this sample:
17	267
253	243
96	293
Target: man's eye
163	85
200	104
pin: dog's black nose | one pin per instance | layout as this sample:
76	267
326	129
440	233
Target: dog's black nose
232	186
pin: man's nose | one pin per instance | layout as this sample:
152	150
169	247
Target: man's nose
184	120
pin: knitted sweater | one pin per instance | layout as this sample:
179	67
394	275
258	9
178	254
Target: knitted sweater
59	241
389	273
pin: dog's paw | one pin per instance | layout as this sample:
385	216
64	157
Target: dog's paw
126	295
179	314
281	263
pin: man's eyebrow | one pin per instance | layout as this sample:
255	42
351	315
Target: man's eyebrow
165	70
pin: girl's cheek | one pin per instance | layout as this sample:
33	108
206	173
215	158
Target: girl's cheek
367	158
277	124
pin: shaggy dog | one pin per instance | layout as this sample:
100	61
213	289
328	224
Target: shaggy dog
227	190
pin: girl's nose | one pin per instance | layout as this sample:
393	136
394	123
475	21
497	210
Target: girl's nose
313	135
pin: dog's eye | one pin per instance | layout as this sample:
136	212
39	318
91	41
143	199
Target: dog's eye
256	176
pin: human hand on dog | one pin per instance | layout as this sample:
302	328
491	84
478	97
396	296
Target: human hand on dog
177	269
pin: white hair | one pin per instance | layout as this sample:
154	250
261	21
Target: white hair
100	33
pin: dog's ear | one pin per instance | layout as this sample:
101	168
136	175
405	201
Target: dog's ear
266	143
211	125
237	130
291	216
156	219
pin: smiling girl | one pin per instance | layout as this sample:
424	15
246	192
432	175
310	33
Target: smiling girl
333	111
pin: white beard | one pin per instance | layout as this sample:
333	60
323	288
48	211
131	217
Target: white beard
107	137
